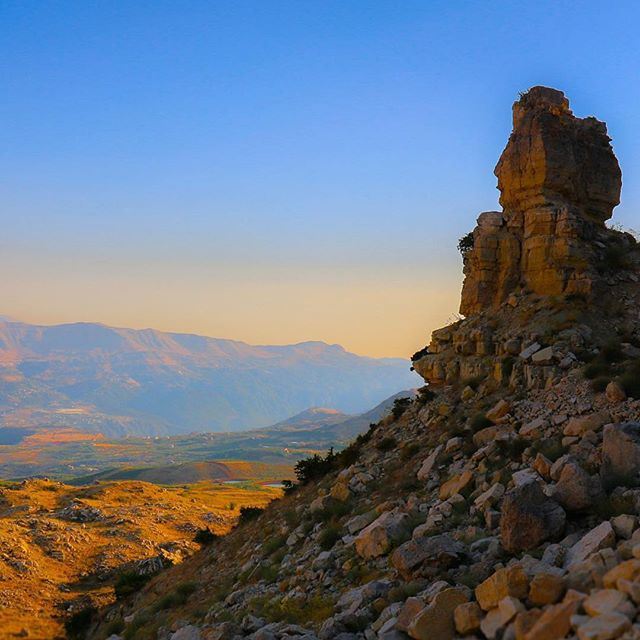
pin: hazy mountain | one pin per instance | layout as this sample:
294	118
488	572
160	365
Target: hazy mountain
125	381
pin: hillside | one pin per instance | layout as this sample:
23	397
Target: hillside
144	382
62	547
503	501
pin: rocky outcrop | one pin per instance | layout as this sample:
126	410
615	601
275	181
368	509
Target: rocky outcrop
559	181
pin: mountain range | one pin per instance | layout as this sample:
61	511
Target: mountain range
146	382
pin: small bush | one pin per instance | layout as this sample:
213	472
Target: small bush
387	444
596	369
273	544
409	451
630	382
615	258
507	366
78	624
600	383
612	351
129	582
176	598
550	448
329	536
314	467
615	505
473	382
249	513
425	395
115	627
465	243
289	487
400	405
420	354
205	536
479	421
512	449
333	511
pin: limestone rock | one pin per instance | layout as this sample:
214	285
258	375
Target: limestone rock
576	489
614	392
529	518
555	621
546	588
467	618
598	538
436	620
455	485
621	455
553	158
607	626
580	425
510	581
376	539
428	465
436	552
559	181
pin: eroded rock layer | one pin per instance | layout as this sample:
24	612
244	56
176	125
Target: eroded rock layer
559	182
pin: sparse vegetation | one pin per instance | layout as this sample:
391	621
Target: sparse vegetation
205	536
329	536
176	598
129	582
79	622
400	405
249	513
479	421
387	443
465	243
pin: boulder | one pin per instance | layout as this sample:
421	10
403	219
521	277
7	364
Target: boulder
576	489
615	393
608	626
376	539
555	621
499	410
599	537
579	425
435	552
529	518
608	601
455	485
430	462
436	620
546	588
467	618
621	455
510	581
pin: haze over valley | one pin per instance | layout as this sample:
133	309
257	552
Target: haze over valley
118	382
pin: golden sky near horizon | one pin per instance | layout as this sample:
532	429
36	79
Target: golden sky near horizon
385	312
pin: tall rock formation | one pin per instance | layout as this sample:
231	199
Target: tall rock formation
559	182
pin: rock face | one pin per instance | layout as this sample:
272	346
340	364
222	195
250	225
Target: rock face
559	181
529	518
621	455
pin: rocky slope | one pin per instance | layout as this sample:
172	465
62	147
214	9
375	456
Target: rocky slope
501	503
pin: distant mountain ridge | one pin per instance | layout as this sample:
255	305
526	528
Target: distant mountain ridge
126	381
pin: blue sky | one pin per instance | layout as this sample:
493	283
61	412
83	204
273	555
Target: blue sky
278	171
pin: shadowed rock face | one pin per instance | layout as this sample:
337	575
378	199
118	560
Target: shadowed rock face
559	181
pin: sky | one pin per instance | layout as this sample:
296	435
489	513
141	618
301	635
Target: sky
278	171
